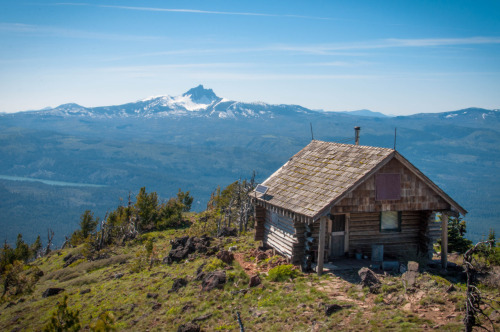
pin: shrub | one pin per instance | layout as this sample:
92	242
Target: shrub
104	323
63	319
214	264
282	273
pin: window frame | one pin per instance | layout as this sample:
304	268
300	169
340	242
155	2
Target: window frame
392	230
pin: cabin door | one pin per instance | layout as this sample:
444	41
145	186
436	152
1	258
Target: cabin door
337	239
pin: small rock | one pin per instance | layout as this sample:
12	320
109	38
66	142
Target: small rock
254	281
332	308
152	295
178	284
85	291
225	256
212	280
228	231
202	317
189	327
118	275
369	279
156	306
412	266
233	248
407	307
52	291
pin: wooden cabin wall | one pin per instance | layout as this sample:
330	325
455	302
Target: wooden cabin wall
280	233
364	231
415	194
260	219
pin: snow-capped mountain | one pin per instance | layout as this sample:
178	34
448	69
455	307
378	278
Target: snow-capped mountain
197	102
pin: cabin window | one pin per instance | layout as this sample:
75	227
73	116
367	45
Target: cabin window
388	186
390	221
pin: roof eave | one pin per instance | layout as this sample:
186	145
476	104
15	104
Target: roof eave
430	183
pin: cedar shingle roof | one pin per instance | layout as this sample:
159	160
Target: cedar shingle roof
322	172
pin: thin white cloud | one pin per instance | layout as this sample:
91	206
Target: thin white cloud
327	49
193	11
31	29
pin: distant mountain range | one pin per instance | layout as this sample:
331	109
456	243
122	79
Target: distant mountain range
201	102
92	157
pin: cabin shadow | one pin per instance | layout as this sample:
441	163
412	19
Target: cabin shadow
347	269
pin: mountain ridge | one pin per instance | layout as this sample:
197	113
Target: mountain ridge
202	102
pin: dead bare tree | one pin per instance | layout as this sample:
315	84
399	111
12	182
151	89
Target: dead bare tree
475	300
50	236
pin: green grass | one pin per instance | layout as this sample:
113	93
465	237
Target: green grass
291	304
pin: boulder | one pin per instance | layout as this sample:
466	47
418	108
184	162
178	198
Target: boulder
254	281
183	246
369	279
332	308
52	291
178	284
225	256
199	272
228	231
189	327
212	280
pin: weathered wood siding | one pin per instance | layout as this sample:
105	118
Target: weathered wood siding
280	233
415	194
260	219
364	231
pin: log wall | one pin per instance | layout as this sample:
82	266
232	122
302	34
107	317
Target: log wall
260	219
284	235
364	231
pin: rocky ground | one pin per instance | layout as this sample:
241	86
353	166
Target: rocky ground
191	283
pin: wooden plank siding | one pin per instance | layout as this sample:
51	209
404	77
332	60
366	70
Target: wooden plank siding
260	219
415	194
280	233
364	231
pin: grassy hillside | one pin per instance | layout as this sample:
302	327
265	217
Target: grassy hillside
133	290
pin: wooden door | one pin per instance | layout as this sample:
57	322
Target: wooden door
337	247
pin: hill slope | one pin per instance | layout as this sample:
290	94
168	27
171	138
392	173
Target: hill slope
198	141
137	292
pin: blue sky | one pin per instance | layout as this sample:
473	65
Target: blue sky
395	57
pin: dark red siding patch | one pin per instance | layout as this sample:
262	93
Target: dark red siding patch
388	186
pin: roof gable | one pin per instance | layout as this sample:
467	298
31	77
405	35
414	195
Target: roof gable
323	173
320	173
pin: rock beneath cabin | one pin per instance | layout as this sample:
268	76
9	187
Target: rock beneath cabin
228	231
178	284
254	281
411	275
369	279
225	256
332	308
212	280
52	291
189	327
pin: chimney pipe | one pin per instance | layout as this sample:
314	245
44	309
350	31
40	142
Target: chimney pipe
356	135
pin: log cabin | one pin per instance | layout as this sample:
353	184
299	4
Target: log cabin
332	200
